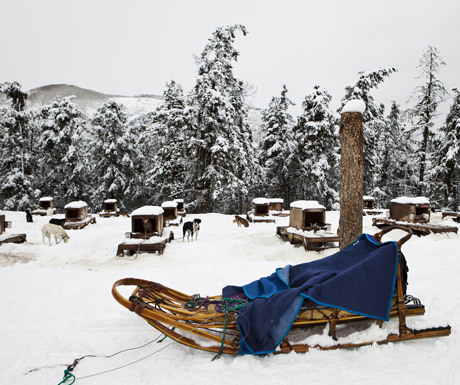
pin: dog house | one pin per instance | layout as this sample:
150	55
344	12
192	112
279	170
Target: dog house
170	210
110	205
109	208
147	221
410	209
307	215
368	202
76	211
275	204
9	238
3	224
260	207
180	207
44	205
76	215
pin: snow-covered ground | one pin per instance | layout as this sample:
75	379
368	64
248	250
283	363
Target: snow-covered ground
56	306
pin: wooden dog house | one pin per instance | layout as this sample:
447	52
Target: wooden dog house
147	221
170	210
180	207
110	205
76	215
44	205
109	208
260	207
413	210
9	238
307	215
275	204
147	232
412	213
76	211
307	225
368	202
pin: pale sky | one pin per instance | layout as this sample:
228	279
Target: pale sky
134	47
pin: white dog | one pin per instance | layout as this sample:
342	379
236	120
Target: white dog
58	232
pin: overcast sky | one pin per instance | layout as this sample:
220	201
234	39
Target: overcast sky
134	47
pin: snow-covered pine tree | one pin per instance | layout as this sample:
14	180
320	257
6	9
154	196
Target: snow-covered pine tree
314	161
166	177
395	169
116	171
220	141
16	163
446	162
61	125
275	147
427	96
373	119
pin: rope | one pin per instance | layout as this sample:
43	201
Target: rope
67	376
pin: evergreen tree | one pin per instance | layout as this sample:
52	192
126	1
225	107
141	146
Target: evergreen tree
16	164
169	167
314	160
396	171
220	139
116	170
446	170
276	145
428	97
373	120
61	127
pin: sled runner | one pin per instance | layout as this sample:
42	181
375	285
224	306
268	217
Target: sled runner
360	285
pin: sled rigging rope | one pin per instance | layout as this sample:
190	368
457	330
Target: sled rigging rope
69	376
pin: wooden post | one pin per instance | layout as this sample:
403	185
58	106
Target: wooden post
351	172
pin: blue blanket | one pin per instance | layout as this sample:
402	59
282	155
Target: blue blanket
360	279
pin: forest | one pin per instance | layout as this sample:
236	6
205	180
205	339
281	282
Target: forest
198	145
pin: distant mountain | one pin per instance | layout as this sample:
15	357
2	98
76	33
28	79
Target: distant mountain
88	100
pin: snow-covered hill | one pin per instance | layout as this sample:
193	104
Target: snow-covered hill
88	100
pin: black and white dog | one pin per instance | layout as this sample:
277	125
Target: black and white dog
191	228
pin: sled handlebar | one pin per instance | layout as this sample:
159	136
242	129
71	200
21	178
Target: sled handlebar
378	236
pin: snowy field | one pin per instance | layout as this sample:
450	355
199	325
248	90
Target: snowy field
57	306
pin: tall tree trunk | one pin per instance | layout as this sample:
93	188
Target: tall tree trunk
351	177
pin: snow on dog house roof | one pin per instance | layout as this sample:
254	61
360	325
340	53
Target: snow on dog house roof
169	204
46	199
261	201
411	200
148	210
110	201
179	200
75	205
307	205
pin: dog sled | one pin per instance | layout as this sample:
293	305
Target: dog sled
363	285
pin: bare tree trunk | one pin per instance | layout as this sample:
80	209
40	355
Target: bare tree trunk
351	177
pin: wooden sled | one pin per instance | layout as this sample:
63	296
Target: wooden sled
210	323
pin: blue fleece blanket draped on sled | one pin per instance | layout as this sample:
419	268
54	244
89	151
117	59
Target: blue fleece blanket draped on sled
360	279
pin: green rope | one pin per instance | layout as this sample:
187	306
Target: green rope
67	376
